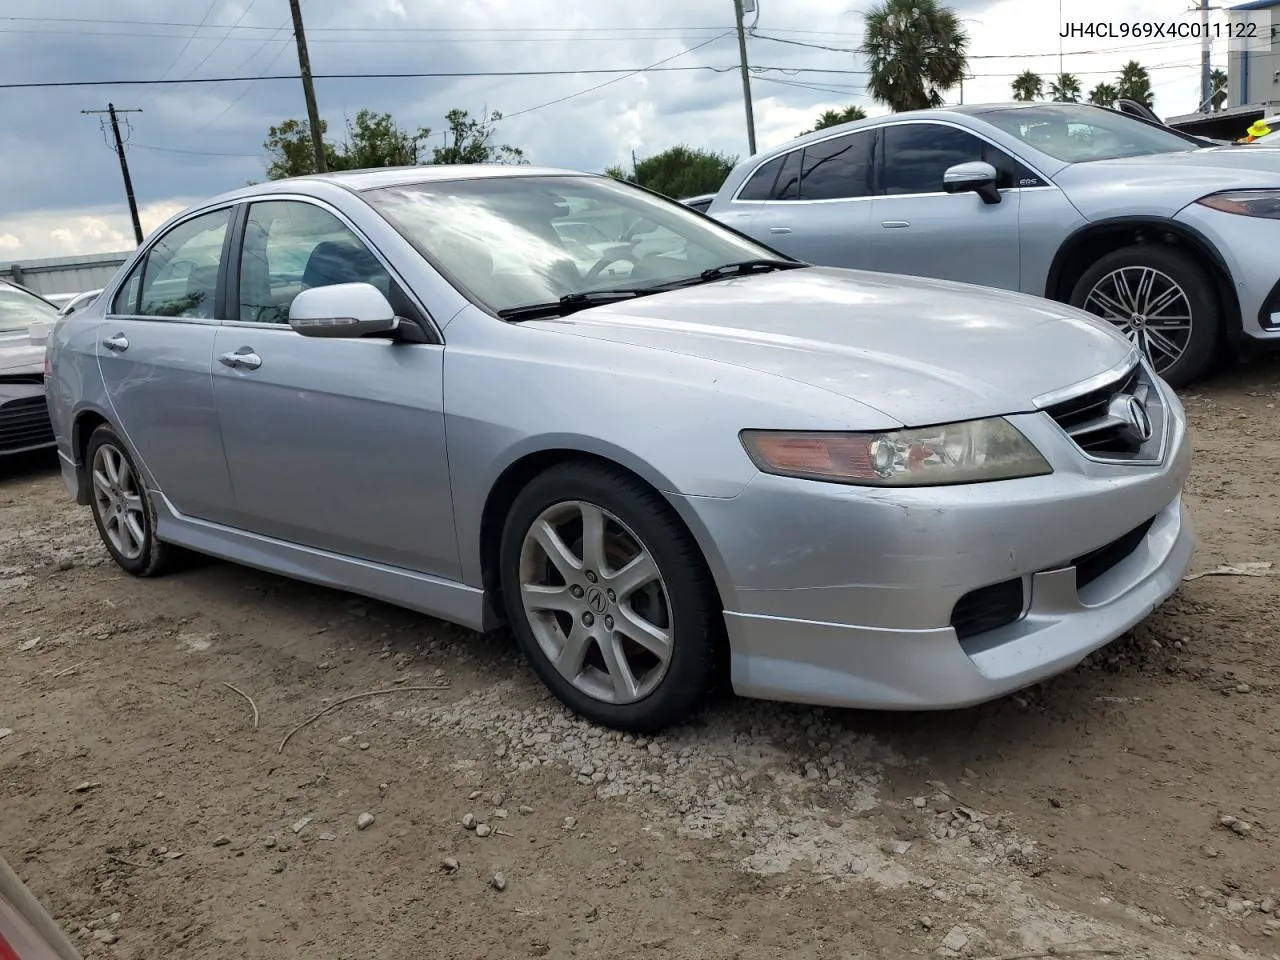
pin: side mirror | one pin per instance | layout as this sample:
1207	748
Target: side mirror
342	310
977	176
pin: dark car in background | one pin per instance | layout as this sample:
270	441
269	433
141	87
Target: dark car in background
25	320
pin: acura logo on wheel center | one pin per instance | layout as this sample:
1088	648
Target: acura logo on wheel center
596	600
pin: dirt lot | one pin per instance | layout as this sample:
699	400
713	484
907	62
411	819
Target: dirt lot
144	807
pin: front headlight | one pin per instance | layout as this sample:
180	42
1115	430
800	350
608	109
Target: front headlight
976	451
1247	203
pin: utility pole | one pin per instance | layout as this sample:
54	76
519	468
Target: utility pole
1206	72
308	88
739	17
124	164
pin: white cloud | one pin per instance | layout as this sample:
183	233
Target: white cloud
214	134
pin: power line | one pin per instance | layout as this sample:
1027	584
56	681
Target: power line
601	86
396	29
203	20
274	38
218	46
196	153
475	74
992	56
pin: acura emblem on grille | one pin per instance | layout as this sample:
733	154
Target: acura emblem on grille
1132	413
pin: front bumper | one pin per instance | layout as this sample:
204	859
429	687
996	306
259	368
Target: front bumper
845	596
1247	245
24	419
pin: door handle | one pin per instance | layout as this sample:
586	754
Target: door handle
117	344
779	230
895	224
244	358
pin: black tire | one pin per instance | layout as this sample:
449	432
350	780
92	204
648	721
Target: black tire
695	622
1204	345
155	557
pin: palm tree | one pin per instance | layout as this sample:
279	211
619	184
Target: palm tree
833	118
1103	95
1218	87
1066	89
1134	83
915	50
1028	85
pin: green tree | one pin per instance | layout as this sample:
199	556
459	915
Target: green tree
469	140
679	172
1218	87
1103	95
1134	83
1065	89
1027	86
833	118
376	140
915	51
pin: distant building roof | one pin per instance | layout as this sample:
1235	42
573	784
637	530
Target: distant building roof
1255	5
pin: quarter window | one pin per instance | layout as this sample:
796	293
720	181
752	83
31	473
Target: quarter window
178	276
290	247
839	168
760	186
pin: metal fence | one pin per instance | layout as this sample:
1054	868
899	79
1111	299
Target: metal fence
60	276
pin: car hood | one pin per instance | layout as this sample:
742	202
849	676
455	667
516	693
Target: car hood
18	355
920	351
1164	183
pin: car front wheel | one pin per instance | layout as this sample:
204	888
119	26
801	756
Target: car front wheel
121	506
608	597
1163	301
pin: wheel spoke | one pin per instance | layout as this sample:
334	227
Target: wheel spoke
653	638
1107	303
593	546
102	484
111	465
624	681
1164	344
1142	292
133	529
125	475
1164	301
636	574
561	557
573	652
539	597
1123	292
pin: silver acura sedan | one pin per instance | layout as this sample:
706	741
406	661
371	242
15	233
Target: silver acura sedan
1163	235
718	463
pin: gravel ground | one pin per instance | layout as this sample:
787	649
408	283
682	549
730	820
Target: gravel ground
1128	806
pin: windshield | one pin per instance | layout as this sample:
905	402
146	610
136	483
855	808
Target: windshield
513	241
1076	133
19	309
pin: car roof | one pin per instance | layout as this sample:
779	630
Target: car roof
374	178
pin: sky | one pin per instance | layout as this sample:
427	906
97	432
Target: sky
63	194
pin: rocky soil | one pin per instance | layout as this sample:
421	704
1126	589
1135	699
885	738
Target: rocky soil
1130	807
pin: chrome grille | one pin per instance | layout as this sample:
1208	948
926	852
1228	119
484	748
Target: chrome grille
1104	424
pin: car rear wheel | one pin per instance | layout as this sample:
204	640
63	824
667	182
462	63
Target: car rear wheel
608	597
1163	301
122	508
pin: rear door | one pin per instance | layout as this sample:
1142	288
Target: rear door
155	348
819	208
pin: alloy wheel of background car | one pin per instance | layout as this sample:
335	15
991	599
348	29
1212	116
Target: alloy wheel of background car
608	597
1162	301
122	509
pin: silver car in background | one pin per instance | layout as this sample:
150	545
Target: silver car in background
26	319
1166	237
816	484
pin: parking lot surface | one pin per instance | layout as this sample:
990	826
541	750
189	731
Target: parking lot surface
1130	805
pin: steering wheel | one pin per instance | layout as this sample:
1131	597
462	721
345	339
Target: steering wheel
608	260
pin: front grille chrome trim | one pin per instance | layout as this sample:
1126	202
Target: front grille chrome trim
1118	372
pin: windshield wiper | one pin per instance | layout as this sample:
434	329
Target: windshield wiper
724	271
572	303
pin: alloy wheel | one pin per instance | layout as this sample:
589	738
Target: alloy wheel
596	602
1148	307
117	495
